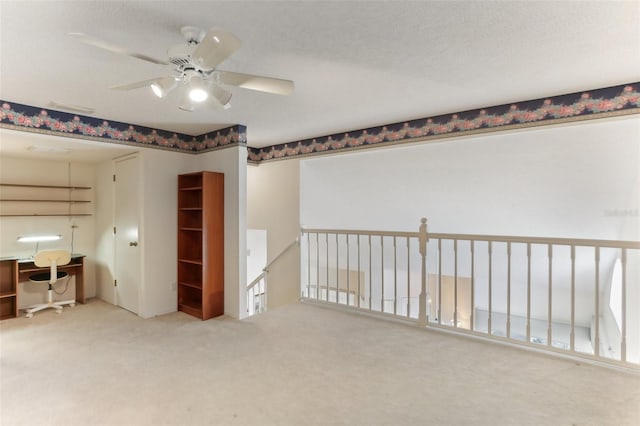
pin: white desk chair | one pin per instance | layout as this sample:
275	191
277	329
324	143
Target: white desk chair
52	259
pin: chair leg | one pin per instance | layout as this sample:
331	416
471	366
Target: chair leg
35	308
50	304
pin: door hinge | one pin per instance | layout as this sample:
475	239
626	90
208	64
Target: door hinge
114	178
115	283
114	230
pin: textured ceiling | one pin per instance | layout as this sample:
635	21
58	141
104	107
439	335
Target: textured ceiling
355	64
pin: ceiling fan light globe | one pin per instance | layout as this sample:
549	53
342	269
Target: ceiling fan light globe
198	95
163	86
197	88
222	95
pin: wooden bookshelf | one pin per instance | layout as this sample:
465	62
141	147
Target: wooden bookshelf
8	289
201	244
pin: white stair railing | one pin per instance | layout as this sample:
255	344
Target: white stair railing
257	295
555	294
257	289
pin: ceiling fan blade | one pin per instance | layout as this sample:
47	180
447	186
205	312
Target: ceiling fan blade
137	84
216	46
91	41
256	82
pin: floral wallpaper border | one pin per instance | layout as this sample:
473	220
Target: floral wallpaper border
42	120
592	104
598	103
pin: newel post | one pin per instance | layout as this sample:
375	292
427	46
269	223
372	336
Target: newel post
423	317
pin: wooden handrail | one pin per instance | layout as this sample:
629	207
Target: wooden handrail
480	237
286	249
539	240
359	232
253	283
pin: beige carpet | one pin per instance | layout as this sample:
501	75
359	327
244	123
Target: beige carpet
297	365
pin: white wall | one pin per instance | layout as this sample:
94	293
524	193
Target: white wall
158	242
48	172
273	204
158	233
559	181
256	253
233	163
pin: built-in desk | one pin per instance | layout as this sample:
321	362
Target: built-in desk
14	270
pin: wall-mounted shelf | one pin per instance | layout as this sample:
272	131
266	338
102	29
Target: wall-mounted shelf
46	201
43	200
46	214
20	185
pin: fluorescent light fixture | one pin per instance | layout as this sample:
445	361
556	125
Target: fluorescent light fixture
39	238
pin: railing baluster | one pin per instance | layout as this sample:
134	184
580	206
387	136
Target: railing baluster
596	343
250	310
395	277
528	292
455	283
572	338
308	265
359	272
490	285
423	316
327	258
348	273
439	281
382	272
508	290
473	292
264	284
550	296
256	304
409	279
337	269
623	326
318	265
370	271
253	300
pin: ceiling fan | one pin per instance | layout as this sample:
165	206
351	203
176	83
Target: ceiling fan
195	69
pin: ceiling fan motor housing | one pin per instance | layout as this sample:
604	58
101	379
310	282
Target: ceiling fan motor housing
180	55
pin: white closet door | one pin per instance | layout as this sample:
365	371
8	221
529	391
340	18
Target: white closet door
127	248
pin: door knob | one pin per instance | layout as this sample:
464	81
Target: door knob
133	244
